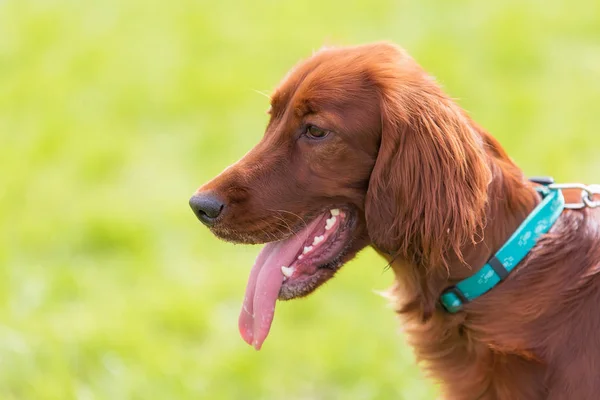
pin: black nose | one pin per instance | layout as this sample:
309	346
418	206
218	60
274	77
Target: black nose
207	207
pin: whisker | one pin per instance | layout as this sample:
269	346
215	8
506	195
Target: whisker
267	95
278	227
294	214
269	235
287	226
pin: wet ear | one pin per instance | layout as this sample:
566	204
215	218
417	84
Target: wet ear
428	189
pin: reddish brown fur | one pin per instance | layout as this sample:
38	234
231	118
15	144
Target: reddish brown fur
437	196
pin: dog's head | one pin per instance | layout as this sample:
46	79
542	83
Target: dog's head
361	148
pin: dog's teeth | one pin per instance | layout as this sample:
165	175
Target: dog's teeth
300	257
318	239
330	222
287	271
335	211
307	249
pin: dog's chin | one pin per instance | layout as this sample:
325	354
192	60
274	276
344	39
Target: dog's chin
236	236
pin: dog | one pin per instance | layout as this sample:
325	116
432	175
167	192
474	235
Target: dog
363	148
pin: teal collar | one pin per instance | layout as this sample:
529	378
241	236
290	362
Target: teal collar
508	257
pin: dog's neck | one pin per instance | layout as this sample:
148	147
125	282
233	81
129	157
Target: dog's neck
511	197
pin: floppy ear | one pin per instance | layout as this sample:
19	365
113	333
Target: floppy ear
428	189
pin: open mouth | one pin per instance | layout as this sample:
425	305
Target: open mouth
291	268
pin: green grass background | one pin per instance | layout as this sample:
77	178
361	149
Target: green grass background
113	112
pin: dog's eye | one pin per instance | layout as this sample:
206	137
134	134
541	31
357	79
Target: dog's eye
315	132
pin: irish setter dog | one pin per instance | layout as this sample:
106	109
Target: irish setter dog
364	148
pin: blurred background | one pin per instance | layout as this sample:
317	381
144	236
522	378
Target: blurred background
113	112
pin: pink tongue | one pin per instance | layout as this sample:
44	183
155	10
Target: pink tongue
264	285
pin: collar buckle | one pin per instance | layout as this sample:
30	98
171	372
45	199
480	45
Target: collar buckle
453	299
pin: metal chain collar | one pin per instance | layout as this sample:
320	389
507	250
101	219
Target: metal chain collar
587	194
